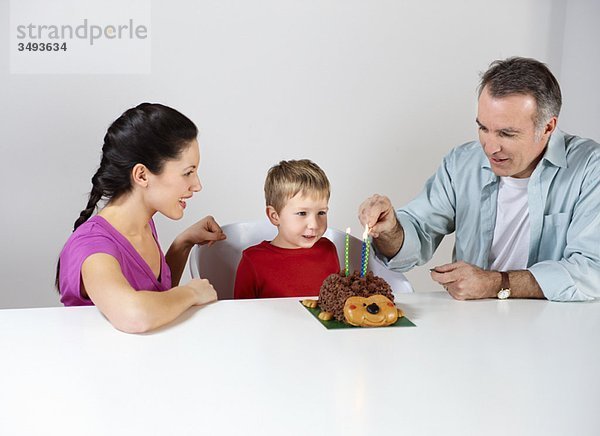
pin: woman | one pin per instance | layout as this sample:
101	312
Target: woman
149	164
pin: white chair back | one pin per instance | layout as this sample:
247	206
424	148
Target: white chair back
219	262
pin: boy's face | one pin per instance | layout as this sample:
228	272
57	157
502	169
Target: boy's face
301	222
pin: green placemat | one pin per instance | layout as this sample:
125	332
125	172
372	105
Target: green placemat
335	324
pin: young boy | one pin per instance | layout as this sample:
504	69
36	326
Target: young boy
296	262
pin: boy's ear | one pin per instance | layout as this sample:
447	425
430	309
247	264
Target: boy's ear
139	175
272	215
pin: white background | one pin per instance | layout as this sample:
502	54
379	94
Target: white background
375	92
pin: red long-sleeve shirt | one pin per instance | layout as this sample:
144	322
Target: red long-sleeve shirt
267	271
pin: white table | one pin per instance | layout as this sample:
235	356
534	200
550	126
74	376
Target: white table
267	367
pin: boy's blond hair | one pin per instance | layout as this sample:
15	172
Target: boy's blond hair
288	178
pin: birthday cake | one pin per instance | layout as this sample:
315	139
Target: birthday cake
360	300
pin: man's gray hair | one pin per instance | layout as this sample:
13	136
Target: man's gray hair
524	76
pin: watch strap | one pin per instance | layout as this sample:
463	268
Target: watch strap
504	291
505	280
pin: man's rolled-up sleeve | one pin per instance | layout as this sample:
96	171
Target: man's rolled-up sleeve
567	281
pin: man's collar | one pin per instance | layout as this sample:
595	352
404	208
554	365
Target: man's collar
556	152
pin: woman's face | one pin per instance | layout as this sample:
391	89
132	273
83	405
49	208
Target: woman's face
168	191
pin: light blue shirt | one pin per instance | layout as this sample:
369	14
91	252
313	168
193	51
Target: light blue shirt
564	214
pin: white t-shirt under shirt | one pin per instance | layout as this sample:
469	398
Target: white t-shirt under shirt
510	246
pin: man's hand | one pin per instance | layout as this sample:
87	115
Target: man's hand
467	282
378	214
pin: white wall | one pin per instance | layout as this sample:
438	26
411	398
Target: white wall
375	92
580	69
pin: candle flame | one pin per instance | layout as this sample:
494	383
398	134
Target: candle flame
366	232
348	230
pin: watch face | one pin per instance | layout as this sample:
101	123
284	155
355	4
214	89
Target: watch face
503	294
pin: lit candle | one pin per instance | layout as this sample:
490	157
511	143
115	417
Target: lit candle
367	249
364	256
346	249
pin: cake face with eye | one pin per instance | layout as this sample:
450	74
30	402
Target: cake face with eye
337	300
374	311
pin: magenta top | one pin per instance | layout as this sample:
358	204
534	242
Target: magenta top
97	235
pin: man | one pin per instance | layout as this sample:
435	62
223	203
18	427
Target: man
524	200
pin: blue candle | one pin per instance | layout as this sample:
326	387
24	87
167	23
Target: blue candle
364	255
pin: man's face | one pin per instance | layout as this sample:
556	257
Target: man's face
508	133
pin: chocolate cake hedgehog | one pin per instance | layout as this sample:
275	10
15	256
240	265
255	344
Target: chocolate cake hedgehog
364	301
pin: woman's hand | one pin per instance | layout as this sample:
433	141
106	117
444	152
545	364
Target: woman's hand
205	231
205	293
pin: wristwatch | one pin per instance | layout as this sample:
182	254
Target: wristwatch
504	291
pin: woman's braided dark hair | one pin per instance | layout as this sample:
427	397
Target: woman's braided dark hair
148	134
